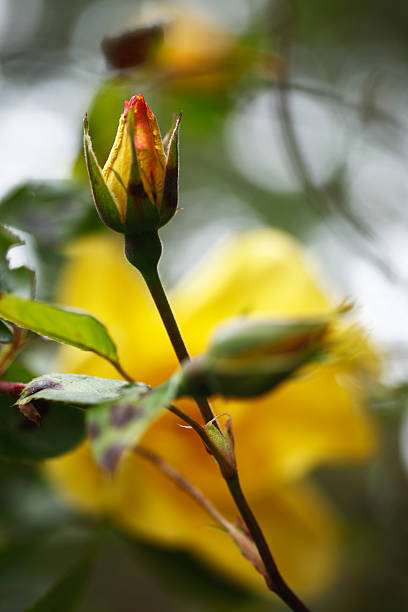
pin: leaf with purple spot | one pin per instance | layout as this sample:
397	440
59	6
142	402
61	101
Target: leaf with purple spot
74	389
117	425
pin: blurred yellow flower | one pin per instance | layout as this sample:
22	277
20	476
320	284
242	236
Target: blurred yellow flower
280	437
193	40
196	50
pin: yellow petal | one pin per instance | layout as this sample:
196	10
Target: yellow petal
118	164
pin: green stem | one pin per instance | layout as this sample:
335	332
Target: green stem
162	304
275	580
144	253
122	372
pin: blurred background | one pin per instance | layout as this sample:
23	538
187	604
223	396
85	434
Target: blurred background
294	117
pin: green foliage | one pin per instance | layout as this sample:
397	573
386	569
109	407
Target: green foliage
118	414
61	324
18	280
66	593
51	214
245	359
6	335
61	429
51	211
74	389
116	426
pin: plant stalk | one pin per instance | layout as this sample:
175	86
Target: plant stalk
274	580
159	297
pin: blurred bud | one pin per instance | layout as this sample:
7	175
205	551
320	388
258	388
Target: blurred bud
186	45
30	412
250	357
132	48
137	190
223	442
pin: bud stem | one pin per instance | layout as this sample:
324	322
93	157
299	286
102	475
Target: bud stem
143	252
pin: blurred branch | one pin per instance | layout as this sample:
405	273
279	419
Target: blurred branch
13	389
19	337
241	534
318	196
360	107
182	483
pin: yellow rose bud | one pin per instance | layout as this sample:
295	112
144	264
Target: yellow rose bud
136	192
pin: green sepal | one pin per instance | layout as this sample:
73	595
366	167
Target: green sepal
223	441
102	196
143	251
246	338
220	377
141	214
169	201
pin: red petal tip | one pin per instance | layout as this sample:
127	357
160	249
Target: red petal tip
134	101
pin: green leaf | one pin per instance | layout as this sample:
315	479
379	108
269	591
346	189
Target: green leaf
51	211
13	280
17	371
61	429
116	426
73	389
66	594
119	412
6	335
60	324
